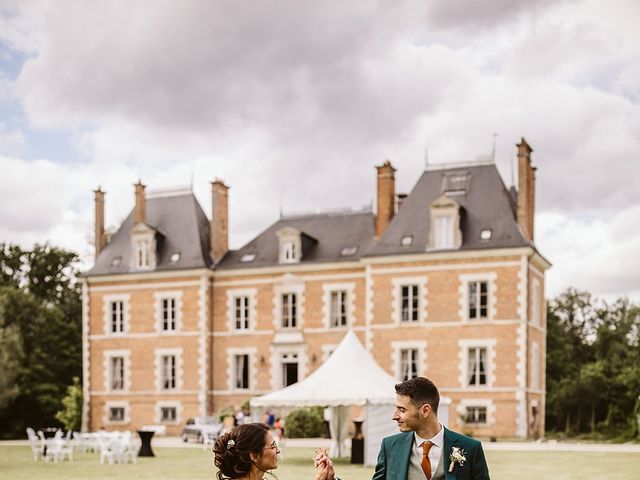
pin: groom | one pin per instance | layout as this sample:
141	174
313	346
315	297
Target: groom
424	448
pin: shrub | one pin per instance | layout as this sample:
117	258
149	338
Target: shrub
305	423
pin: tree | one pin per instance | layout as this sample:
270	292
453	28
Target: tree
10	360
71	413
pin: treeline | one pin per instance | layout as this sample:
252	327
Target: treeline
593	366
40	335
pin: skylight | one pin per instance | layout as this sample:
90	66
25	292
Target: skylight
407	240
115	262
486	234
175	257
248	257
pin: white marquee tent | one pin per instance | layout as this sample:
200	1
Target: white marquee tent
350	376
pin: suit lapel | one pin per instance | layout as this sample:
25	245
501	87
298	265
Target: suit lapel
450	441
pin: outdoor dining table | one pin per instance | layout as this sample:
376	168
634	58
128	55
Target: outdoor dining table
145	443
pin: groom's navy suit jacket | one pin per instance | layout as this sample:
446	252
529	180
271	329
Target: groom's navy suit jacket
395	452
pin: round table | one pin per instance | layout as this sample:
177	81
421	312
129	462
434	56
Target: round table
145	443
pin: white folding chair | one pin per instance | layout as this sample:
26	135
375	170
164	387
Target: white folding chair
37	447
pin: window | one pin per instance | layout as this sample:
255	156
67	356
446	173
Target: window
535	366
455	182
289	253
477	415
289	362
408	363
248	257
117	373
289	310
115	262
116	414
168	314
241	364
175	257
168	414
486	234
477	367
338	309
117	316
142	253
349	251
168	372
407	241
409	307
478	300
536	301
444	231
241	313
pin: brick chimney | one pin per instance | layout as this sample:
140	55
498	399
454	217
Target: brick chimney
219	230
526	189
385	205
100	237
140	215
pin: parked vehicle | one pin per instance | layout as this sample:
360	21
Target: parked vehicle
199	428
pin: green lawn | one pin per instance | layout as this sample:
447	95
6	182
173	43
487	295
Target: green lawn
194	463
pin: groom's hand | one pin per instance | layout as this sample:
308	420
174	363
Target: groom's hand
324	466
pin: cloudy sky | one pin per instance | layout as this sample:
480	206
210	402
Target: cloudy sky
293	103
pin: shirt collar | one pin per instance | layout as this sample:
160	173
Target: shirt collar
437	439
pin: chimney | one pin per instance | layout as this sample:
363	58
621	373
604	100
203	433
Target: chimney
140	215
219	230
526	189
100	237
385	206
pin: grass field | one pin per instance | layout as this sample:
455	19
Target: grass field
193	463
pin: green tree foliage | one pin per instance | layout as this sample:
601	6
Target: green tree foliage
593	365
305	423
10	359
71	413
40	304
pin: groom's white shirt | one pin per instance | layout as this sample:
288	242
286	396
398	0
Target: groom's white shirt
435	454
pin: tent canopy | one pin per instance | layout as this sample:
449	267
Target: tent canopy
350	376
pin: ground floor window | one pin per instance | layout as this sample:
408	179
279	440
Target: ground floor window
168	414
476	415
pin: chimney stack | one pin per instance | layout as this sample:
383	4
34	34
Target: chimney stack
526	189
385	206
140	215
219	230
100	237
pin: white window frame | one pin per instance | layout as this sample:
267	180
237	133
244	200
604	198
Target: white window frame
396	299
168	404
476	402
160	297
444	234
143	248
277	352
464	346
109	404
396	356
107	318
290	245
327	291
162	352
464	281
232	352
107	357
251	295
279	291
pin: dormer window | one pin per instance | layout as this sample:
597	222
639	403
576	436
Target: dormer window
290	245
444	232
455	183
142	254
289	254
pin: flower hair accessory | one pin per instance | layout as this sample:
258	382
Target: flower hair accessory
457	456
230	444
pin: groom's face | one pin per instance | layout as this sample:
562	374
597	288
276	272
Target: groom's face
407	414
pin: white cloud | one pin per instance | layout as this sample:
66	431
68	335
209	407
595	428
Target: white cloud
295	111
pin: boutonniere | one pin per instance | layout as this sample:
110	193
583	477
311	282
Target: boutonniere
456	456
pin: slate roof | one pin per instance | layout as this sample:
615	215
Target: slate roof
182	226
486	204
333	232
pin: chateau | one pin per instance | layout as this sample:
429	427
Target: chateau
444	282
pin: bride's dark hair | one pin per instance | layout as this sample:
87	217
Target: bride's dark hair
232	450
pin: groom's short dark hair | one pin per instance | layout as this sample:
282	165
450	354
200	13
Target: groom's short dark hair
420	390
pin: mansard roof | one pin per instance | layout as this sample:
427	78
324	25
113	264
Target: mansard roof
182	228
485	204
334	235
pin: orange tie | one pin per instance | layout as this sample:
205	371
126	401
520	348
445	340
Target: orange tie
426	463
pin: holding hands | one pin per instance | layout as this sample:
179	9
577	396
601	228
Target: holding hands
324	465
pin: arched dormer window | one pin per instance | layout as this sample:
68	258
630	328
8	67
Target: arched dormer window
143	247
290	245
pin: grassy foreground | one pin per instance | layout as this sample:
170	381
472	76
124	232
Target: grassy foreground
194	463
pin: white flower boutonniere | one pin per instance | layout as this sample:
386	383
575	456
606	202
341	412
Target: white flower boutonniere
456	456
